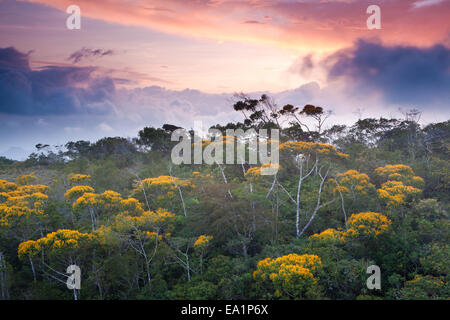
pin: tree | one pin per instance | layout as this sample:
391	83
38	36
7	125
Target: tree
316	113
400	185
113	146
100	207
366	225
292	275
78	149
79	179
352	185
363	232
144	232
201	246
61	248
261	113
308	161
162	188
425	287
22	210
156	139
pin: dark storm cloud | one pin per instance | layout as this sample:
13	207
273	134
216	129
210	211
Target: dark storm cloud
11	58
51	90
401	74
84	53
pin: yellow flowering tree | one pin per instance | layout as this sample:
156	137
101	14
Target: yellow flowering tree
202	241
254	173
395	193
201	246
351	185
131	207
258	180
77	191
353	182
399	172
27	209
160	191
313	149
102	206
6	186
58	250
366	225
22	207
143	232
400	185
61	241
330	235
79	179
293	275
365	232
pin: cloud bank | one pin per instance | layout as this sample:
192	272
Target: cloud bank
51	90
57	104
401	74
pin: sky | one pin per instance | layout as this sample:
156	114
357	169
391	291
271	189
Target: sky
145	63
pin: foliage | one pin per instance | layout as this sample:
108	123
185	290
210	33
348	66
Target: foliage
139	227
291	275
425	287
366	225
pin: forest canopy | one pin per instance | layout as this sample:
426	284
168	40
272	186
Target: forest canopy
140	227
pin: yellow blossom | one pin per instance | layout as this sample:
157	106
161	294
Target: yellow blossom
202	241
77	191
369	224
79	178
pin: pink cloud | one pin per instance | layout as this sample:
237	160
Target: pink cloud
324	25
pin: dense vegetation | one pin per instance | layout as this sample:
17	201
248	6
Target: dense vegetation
140	227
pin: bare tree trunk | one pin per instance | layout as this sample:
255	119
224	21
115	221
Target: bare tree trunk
149	278
342	203
185	263
179	190
91	212
143	190
301	177
97	280
40	230
297	217
100	290
244	249
3	278
147	262
201	263
32	268
272	186
318	204
224	179
188	268
277	215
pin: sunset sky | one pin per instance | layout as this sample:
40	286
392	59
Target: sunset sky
137	63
